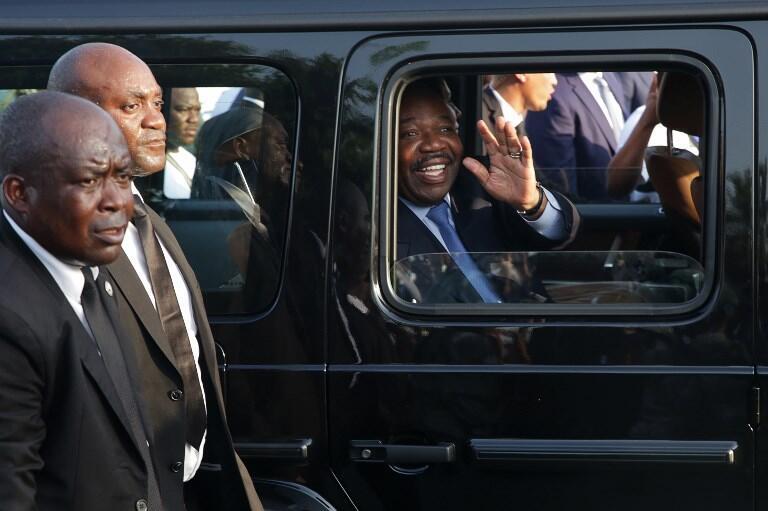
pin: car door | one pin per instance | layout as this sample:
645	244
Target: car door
603	404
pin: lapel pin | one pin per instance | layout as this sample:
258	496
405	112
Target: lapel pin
108	288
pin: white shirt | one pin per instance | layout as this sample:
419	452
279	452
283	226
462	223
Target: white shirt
589	81
68	277
179	171
132	247
550	224
658	138
509	113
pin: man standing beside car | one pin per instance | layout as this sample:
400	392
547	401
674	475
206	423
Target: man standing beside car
71	430
160	302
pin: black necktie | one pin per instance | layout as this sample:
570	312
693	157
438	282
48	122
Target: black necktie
173	324
105	333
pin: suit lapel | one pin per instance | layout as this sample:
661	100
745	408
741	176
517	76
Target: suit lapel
127	280
89	351
413	237
201	317
581	92
618	92
492	107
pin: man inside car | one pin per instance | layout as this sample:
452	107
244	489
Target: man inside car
457	205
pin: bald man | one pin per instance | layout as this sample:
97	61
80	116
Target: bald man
71	434
160	302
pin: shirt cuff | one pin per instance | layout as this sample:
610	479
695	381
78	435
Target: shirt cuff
551	223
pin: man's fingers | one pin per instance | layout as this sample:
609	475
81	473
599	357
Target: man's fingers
489	139
477	169
527	159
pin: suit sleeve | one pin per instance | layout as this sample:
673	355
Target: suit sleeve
22	429
523	236
552	135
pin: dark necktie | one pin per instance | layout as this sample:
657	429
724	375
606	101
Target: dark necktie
173	324
105	333
440	215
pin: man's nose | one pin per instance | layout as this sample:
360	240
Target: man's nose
432	141
153	119
115	196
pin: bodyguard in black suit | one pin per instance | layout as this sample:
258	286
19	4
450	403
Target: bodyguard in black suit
160	303
72	434
447	207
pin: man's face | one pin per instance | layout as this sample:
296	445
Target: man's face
80	202
184	117
537	90
125	87
429	150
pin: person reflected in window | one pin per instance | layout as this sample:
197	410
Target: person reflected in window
442	209
243	156
513	95
183	124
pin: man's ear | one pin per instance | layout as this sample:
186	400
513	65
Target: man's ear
16	194
242	148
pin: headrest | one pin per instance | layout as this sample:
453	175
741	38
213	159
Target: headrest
681	102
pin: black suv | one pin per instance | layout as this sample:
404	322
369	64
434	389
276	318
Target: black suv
630	380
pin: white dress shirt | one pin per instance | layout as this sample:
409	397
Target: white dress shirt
68	277
589	81
193	456
509	113
178	174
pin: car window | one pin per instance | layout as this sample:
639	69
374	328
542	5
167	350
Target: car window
619	157
228	178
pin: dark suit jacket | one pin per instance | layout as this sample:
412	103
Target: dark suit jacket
492	109
65	441
572	139
484	225
222	481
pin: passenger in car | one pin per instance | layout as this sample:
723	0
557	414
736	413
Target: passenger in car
442	209
160	302
243	156
183	124
513	95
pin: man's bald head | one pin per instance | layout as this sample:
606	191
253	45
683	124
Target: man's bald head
36	129
66	176
123	85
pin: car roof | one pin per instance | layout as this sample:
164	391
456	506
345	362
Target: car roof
53	16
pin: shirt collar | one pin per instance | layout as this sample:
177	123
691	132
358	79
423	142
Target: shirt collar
69	277
509	113
422	211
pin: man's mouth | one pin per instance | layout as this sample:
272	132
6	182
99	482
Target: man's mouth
432	170
111	235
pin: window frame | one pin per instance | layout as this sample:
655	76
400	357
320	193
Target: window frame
385	195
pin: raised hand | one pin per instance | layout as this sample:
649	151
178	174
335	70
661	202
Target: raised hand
511	177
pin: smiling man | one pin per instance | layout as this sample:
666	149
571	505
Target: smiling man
68	412
449	203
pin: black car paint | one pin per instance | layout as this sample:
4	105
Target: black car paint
315	368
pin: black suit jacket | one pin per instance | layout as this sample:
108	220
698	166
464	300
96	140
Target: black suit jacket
65	441
492	109
222	482
484	225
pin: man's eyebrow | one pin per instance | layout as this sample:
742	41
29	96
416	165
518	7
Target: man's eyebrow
444	117
144	93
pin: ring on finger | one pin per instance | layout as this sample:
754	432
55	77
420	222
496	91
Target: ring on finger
518	155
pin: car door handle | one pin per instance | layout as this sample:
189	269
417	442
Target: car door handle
288	450
374	451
